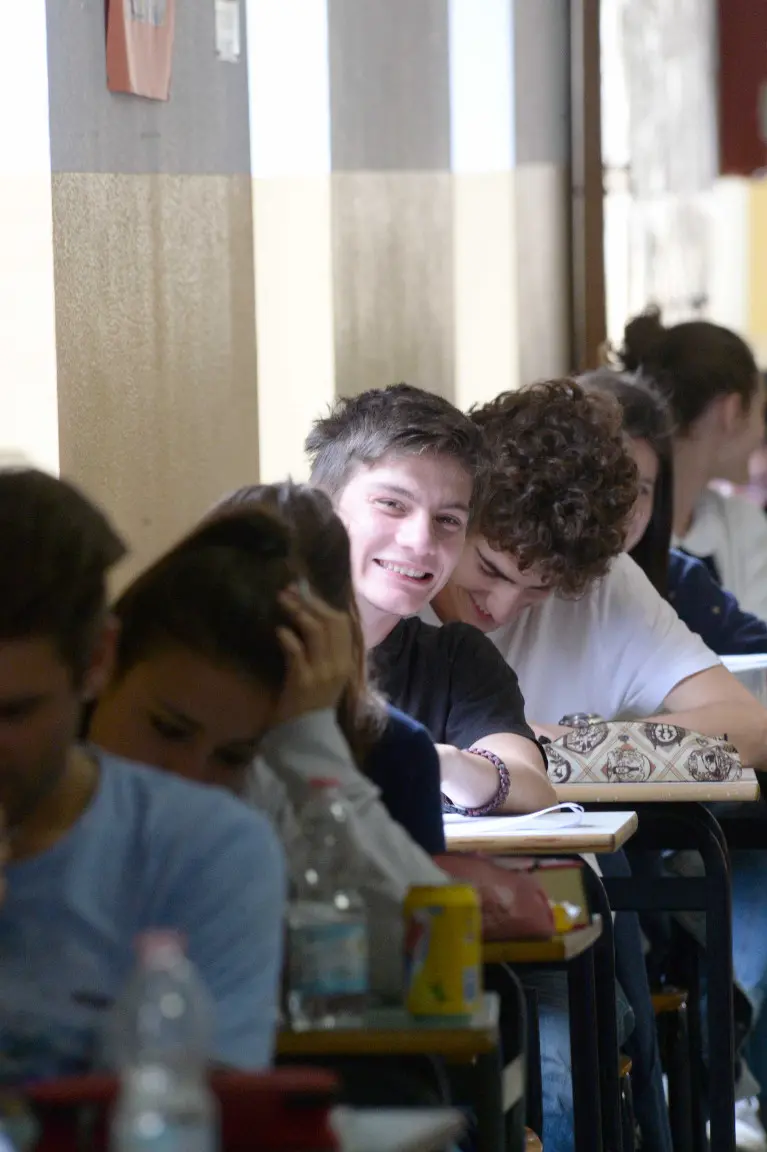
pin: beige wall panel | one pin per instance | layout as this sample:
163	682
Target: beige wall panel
294	316
156	346
28	407
543	275
486	335
393	280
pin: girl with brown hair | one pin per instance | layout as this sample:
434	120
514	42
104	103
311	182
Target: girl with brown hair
240	663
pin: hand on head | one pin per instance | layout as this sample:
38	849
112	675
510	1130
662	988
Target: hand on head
319	654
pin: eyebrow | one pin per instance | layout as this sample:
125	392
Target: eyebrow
400	491
180	716
238	741
495	571
19	703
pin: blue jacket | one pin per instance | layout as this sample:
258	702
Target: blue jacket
710	611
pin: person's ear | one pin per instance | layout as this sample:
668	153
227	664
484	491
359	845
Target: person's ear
102	660
731	412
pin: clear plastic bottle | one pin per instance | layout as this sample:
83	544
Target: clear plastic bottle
327	922
160	1035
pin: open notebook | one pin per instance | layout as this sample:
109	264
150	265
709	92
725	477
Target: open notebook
566	815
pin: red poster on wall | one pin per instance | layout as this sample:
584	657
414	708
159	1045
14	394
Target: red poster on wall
140	46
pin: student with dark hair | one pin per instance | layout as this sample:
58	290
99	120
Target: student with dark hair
240	663
404	468
686	582
716	395
101	849
715	615
397	464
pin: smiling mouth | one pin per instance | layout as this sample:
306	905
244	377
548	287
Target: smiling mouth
483	615
417	575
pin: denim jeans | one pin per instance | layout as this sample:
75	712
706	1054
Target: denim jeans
749	946
636	1035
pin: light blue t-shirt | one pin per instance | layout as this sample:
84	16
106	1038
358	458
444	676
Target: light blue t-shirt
150	851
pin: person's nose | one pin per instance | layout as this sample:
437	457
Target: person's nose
191	763
416	534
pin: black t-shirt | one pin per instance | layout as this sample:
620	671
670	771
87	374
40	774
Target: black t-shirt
452	679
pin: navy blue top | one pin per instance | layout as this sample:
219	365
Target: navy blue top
405	766
710	611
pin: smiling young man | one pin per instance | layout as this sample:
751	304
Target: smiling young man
404	468
543	576
100	849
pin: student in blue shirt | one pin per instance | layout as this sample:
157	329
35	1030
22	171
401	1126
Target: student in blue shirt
97	849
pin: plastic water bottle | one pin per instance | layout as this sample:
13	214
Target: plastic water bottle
327	922
161	1032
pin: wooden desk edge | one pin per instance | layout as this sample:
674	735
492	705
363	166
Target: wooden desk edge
590	840
455	1043
661	793
557	949
459	1042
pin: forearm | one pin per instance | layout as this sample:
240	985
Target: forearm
389	859
744	724
471	781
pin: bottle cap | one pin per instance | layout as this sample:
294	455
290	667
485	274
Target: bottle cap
160	944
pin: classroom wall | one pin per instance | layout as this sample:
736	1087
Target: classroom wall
376	191
153	258
411	201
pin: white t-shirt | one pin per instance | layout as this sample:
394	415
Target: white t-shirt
733	533
617	651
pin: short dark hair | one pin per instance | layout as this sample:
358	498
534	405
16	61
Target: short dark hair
562	483
691	363
400	419
646	416
57	551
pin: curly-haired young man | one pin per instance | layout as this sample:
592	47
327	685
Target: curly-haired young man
543	576
389	459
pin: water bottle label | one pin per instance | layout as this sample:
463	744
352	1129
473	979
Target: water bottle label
329	959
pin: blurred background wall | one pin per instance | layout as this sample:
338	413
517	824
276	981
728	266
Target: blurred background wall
375	190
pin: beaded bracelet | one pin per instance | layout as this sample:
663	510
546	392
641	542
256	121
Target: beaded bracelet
504	785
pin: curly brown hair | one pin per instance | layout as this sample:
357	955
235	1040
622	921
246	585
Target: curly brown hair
562	484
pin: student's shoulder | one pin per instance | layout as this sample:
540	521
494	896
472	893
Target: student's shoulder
402	731
684	568
430	639
725	506
402	744
743	512
172	811
623	589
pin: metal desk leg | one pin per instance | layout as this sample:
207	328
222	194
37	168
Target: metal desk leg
693	826
721	1040
606	1018
485	1084
513	1027
584	1053
534	1098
